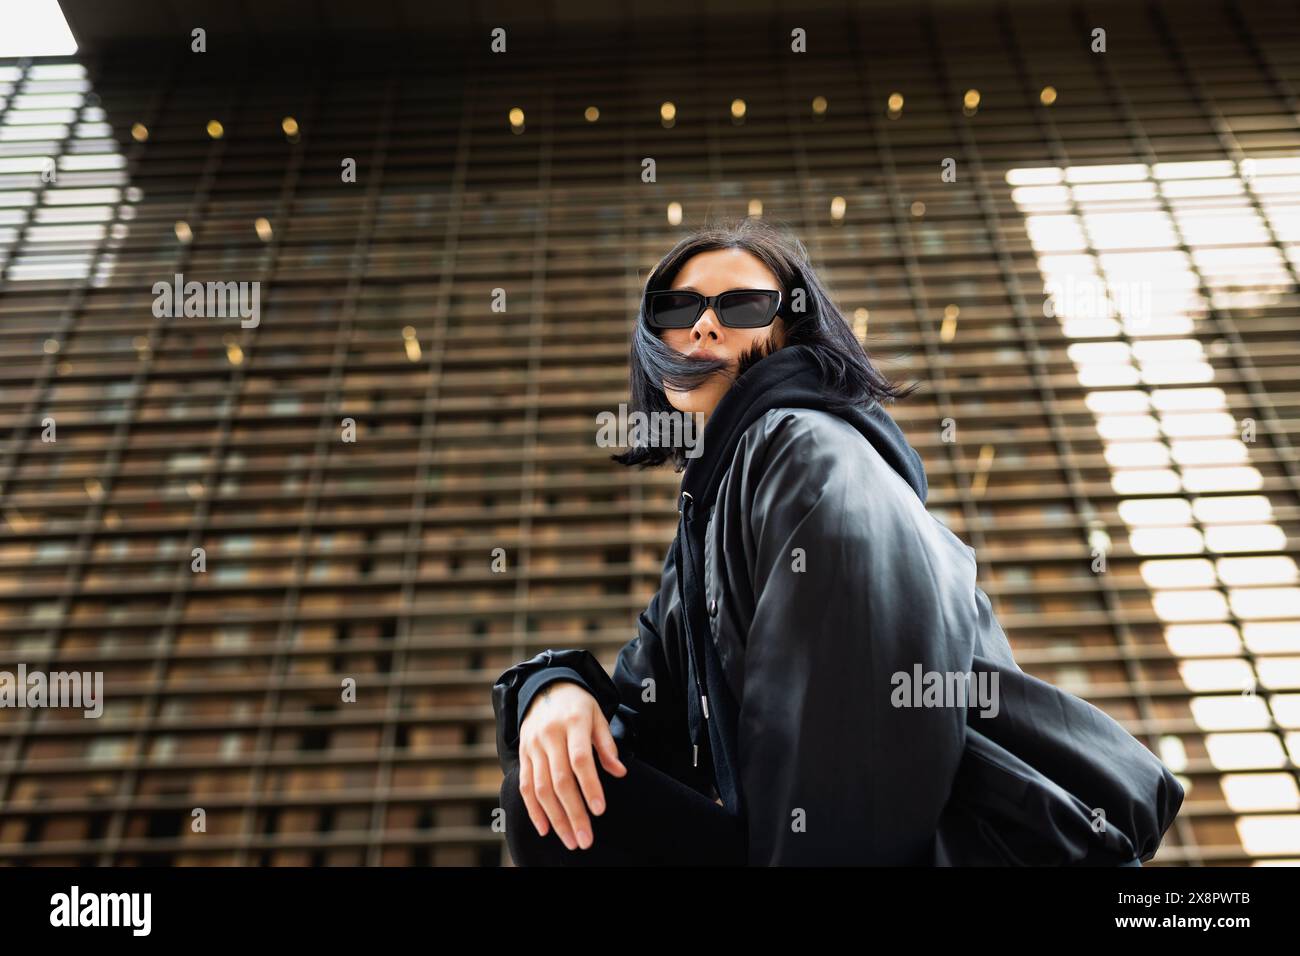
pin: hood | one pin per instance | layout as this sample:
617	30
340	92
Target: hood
789	378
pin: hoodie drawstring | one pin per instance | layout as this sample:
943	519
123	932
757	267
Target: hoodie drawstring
684	543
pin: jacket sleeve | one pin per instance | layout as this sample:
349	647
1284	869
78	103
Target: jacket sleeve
853	584
643	700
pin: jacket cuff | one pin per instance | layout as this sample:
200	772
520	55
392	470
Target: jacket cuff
536	682
509	698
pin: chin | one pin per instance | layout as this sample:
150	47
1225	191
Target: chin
685	407
703	398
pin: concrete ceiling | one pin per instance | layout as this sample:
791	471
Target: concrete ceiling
99	23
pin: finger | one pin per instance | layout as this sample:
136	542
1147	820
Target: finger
546	796
566	788
535	812
607	748
584	768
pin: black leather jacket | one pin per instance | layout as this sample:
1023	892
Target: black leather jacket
811	613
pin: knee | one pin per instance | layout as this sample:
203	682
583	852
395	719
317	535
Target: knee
527	846
511	800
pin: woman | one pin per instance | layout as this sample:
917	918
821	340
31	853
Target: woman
818	680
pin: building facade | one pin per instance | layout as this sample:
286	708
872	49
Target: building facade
301	514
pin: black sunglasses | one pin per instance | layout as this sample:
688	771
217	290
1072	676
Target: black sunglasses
735	308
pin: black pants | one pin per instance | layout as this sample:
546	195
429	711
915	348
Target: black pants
650	819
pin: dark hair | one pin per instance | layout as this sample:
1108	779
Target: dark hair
809	317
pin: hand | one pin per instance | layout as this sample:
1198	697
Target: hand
561	727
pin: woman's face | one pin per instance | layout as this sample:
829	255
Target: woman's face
710	273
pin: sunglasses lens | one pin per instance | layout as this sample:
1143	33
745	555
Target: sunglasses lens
671	311
748	310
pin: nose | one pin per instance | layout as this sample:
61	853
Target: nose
708	327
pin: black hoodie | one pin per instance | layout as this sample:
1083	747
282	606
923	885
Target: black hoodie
790	378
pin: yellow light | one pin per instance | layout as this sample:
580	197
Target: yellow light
860	318
918	209
756	207
895	104
94	489
1048	96
183	232
412	346
738	109
674	214
289	125
819	105
516	117
591	113
411	343
668	113
264	231
971	100
51	346
234	354
838	206
139	132
215	129
981	480
948	330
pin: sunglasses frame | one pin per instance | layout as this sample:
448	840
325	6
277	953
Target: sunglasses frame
714	302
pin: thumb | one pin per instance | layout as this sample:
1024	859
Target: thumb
606	746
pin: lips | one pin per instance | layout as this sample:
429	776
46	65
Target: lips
701	355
